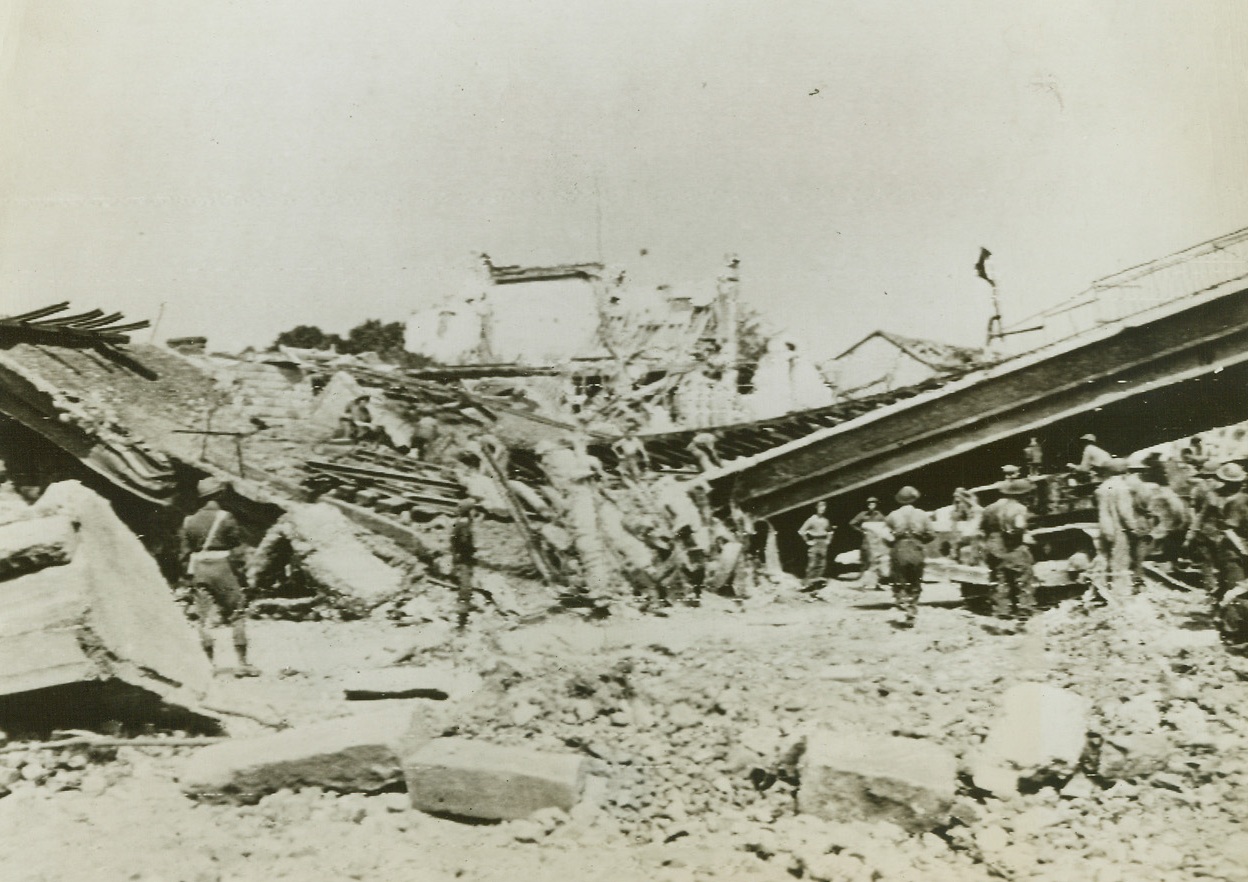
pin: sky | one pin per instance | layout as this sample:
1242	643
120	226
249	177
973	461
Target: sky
239	167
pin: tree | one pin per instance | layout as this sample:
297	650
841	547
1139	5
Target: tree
371	335
307	337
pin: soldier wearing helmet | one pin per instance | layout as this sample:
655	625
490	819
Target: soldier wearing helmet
911	529
213	559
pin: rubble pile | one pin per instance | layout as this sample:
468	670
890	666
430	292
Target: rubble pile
89	769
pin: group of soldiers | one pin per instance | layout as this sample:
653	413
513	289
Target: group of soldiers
1190	512
905	532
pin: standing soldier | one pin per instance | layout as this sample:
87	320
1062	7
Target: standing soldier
464	558
1229	513
214	560
632	455
869	522
1122	533
425	435
1010	562
911	528
966	516
1202	532
1094	459
1033	453
702	446
816	532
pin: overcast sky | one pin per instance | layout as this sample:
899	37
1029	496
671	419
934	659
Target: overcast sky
256	165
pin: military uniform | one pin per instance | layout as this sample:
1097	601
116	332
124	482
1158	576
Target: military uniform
911	528
817	534
214	559
463	561
1011	565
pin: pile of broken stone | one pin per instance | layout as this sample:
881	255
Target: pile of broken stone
1094	771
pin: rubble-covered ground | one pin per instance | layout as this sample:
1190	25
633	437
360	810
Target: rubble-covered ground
692	720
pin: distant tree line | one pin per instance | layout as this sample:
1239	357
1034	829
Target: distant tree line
372	335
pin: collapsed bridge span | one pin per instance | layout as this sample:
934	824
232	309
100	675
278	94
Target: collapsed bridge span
1175	364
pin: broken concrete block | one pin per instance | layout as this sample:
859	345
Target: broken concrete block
359	753
900	780
1039	735
34	543
1134	756
333	558
102	628
472	779
439	682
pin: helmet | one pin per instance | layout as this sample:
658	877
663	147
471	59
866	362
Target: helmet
907	495
1232	473
209	487
1019	487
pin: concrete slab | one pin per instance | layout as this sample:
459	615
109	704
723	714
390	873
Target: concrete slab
904	781
456	776
360	753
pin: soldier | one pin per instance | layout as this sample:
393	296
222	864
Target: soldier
214	559
1159	509
966	517
869	522
911	528
1122	532
632	455
1033	453
703	447
1009	559
1094	459
816	532
425	435
1229	512
464	559
1203	533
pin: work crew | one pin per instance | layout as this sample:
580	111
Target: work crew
816	532
911	528
873	554
214	560
1009	559
464	558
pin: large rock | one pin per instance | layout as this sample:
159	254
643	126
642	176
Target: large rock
33	543
359	753
333	558
901	780
1038	736
472	779
103	625
1134	756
